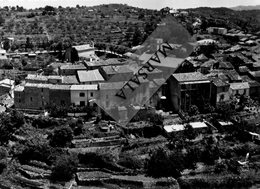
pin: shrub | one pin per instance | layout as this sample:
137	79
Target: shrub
220	167
161	164
64	168
3	153
37	151
100	159
43	122
3	165
154	118
61	137
130	161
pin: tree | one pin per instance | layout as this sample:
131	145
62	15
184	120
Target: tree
130	162
161	164
9	123
2	20
137	37
61	137
189	132
194	110
74	55
64	168
6	45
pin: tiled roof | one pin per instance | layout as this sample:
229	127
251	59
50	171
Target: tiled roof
243	69
225	65
73	67
111	85
237	86
112	61
252	83
209	63
89	76
116	69
7	81
193	76
85	47
60	87
84	87
38	85
232	74
255	73
65	79
70	79
19	88
170	62
36	77
219	83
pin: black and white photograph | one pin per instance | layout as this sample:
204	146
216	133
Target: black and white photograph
129	94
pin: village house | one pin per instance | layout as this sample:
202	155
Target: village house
207	66
87	52
254	91
71	69
199	127
255	75
108	99
60	95
241	88
82	95
101	63
116	73
219	91
52	79
32	96
189	89
6	86
3	55
217	30
90	77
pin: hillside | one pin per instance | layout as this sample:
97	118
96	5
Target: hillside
239	8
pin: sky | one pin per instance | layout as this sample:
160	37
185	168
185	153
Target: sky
150	4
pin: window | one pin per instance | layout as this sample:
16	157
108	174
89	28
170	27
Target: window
31	99
82	94
194	86
82	103
42	89
222	97
62	102
19	100
183	87
91	94
107	104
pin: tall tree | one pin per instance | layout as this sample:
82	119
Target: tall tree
137	37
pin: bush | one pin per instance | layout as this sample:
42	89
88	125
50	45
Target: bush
131	162
38	151
61	137
154	118
9	123
43	122
58	111
3	165
220	167
76	126
3	153
64	168
100	159
161	164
